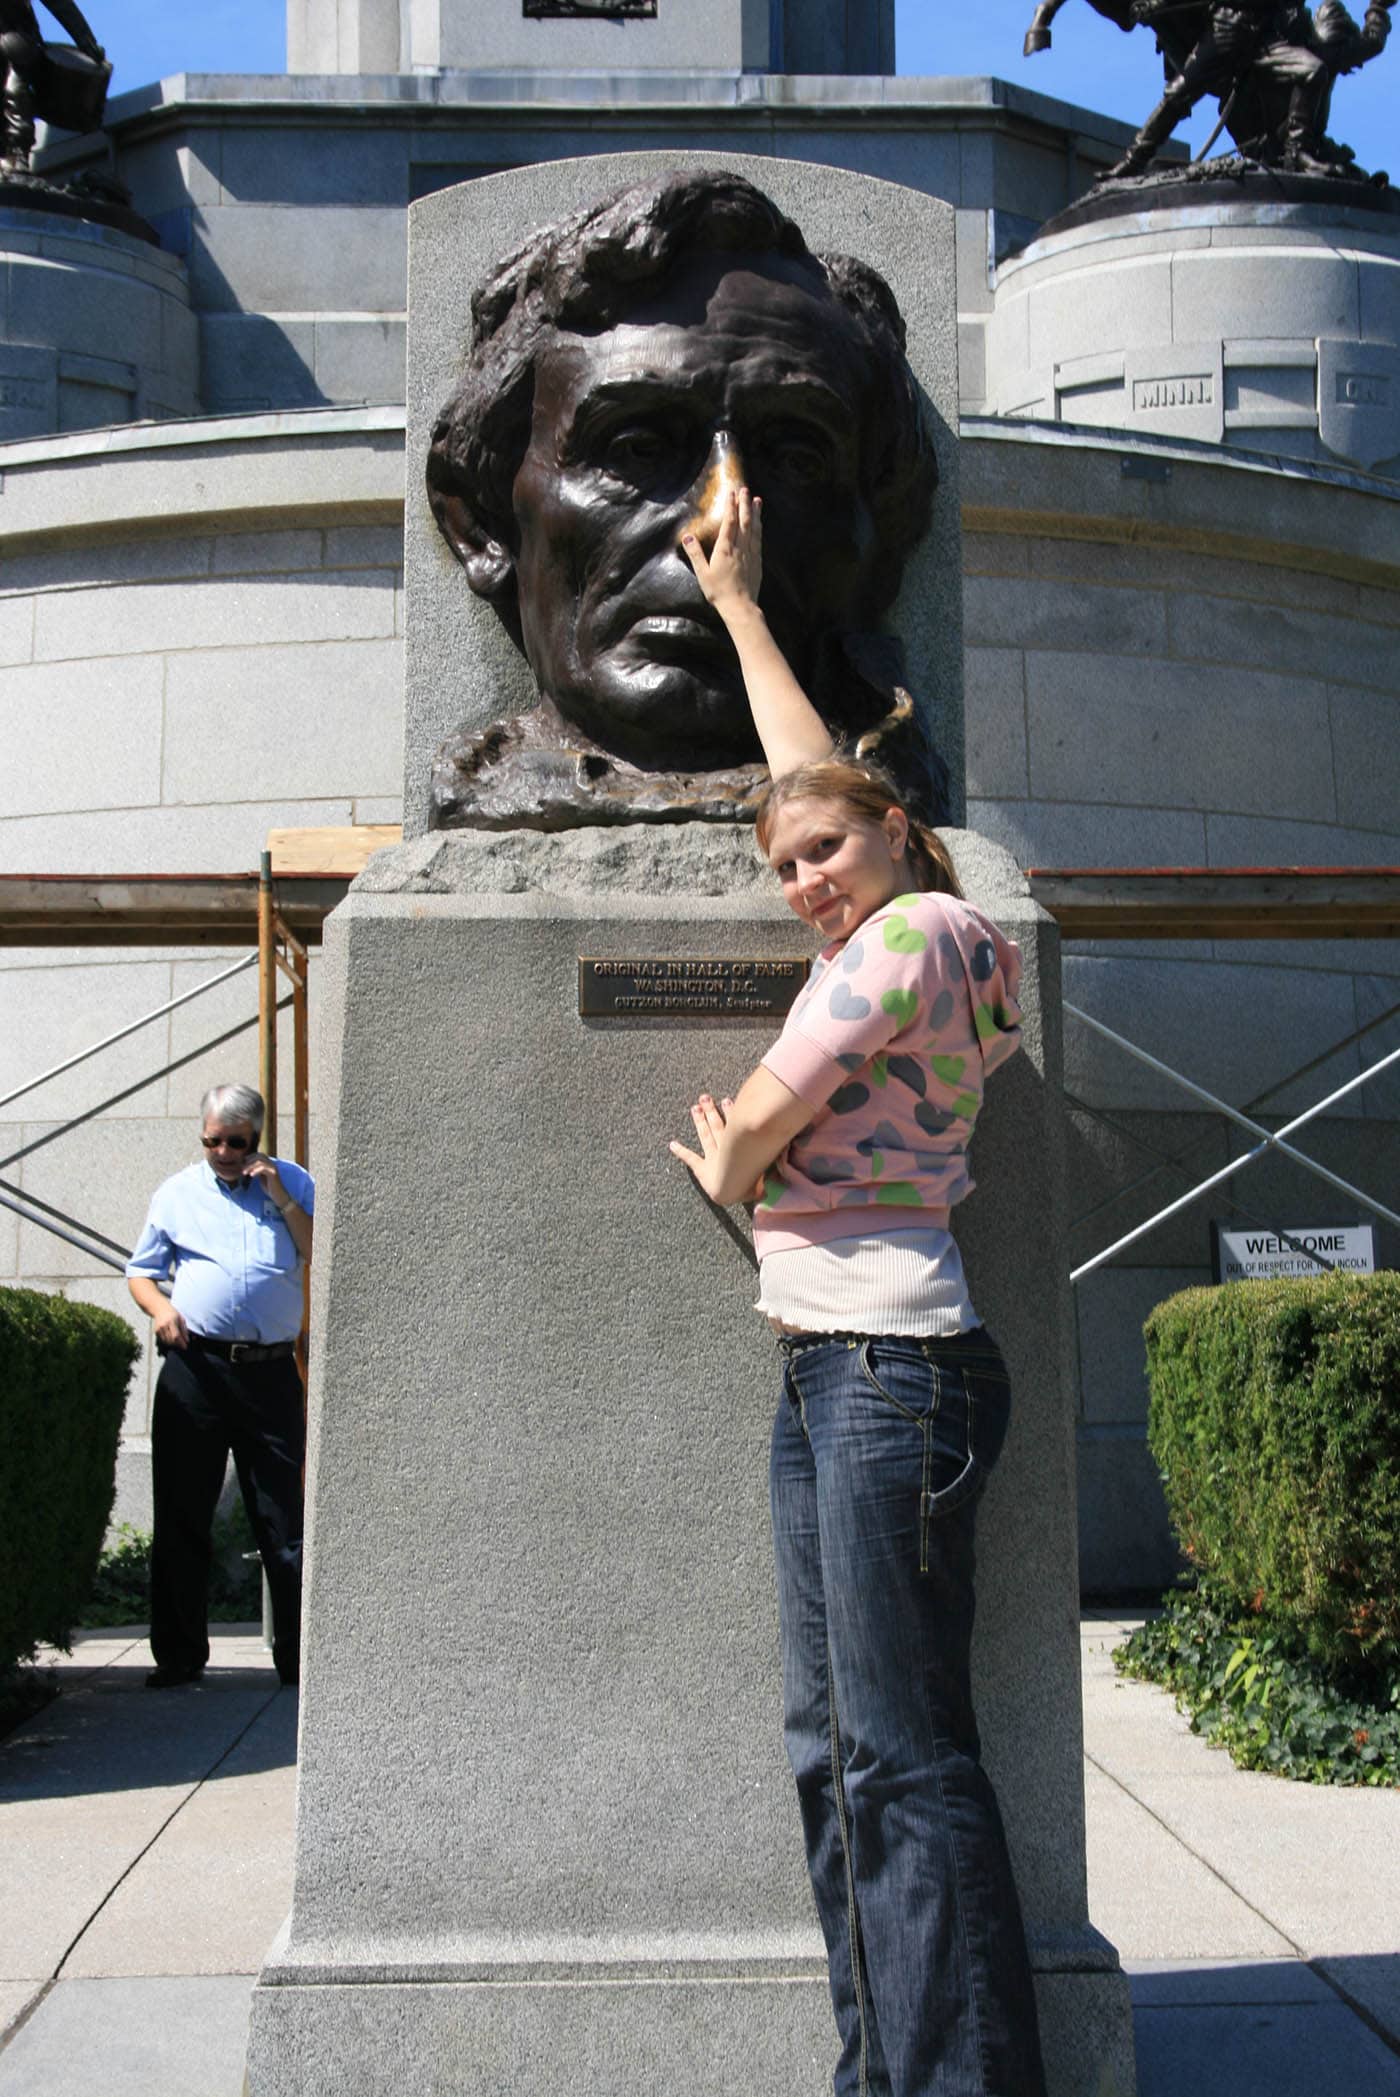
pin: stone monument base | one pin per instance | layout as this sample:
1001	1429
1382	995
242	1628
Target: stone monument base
94	206
1258	313
97	325
1227	181
546	1838
649	2028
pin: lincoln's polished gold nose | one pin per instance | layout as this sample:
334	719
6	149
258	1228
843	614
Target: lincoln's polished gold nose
723	476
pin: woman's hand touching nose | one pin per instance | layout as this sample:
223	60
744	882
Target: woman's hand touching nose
789	727
731	573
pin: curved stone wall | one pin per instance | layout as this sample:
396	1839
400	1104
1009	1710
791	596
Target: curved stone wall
1273	327
1183	658
219	655
97	328
1173	657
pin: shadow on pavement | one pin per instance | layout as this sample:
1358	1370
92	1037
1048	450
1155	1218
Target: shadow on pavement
109	1733
1275	2028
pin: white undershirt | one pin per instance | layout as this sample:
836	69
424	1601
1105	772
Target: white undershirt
909	1282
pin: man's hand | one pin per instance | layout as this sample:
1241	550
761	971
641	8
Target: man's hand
170	1327
264	1171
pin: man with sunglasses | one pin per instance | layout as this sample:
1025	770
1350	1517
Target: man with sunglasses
236	1231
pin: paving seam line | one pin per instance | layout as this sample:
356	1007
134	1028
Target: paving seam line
100	1667
1205	1862
1358	2009
1314	1965
173	1814
12	2031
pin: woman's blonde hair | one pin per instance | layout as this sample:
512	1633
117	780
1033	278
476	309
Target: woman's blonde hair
867	793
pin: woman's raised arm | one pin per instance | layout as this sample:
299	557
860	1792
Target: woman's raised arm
790	729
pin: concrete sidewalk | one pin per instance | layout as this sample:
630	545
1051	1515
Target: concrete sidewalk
145	1865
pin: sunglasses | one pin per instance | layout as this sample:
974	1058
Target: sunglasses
227	1142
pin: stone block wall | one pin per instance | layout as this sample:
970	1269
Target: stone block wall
1242	323
97	328
1189	671
1194	670
215	685
388	36
167	701
291	214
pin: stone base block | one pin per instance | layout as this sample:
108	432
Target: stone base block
689	2034
1226	318
545	1838
97	328
569	2038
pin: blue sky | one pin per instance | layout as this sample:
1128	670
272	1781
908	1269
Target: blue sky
1091	62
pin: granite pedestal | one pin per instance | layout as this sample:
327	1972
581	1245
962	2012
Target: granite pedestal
791	36
1224	313
546	1841
97	325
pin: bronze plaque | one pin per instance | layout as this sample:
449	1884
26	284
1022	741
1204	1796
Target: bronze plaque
695	987
576	10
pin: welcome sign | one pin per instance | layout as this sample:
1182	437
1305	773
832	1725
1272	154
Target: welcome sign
1265	1255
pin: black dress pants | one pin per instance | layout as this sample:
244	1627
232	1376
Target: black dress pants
205	1408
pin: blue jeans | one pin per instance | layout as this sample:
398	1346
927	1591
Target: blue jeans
880	1450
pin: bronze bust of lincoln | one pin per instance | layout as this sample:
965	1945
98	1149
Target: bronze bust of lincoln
627	367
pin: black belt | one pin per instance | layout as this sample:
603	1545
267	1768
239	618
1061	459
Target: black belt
244	1350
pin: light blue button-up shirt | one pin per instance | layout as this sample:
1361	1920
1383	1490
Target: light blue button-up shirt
237	1271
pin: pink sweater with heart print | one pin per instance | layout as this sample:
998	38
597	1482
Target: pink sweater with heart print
892	1037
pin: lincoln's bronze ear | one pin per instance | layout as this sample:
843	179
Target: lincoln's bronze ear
488	565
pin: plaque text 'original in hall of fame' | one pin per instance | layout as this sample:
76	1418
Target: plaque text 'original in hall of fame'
695	987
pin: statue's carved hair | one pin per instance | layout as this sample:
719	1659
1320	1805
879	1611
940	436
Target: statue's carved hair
587	272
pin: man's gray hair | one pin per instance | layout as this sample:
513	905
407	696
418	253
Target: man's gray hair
233	1103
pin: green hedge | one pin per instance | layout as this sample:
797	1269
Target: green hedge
1275	1421
64	1369
1249	1687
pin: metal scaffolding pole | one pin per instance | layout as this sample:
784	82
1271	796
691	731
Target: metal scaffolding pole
1271	1141
135	1026
267	1003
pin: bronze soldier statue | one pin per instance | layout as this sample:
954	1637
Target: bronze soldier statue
1345	45
1270	63
34	84
1251	37
1038	37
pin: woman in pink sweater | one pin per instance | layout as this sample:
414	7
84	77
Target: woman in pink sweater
895	1398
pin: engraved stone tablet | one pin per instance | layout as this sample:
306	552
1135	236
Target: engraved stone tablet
1176	390
695	987
28	391
1358	400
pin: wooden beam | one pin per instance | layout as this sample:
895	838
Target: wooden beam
152	910
1221	902
1087	902
335	850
